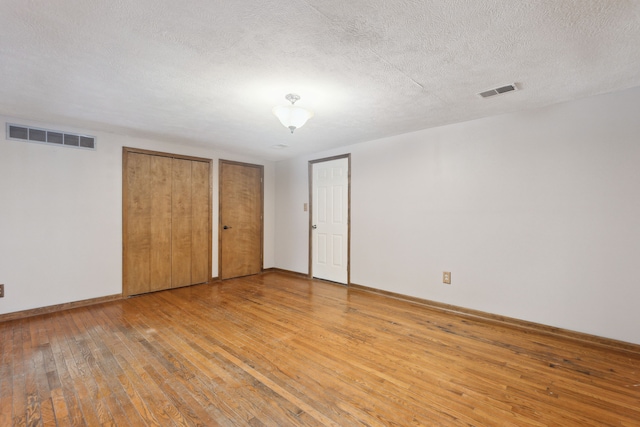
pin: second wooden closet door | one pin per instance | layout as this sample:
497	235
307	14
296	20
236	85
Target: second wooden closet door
189	222
181	223
159	218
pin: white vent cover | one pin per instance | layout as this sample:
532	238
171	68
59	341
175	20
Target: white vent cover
54	137
498	90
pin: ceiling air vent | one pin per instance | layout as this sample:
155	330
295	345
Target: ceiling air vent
498	90
55	137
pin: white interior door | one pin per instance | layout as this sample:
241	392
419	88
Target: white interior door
330	220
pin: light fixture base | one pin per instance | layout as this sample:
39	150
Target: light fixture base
292	98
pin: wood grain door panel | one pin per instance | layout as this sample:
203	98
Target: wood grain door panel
200	224
241	206
181	223
160	220
138	238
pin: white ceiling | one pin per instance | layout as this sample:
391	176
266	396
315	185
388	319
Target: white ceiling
208	72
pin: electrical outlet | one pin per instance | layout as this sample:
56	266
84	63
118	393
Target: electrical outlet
1	291
446	277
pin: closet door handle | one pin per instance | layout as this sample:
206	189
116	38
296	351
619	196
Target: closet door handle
226	227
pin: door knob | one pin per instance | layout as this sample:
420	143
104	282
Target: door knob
226	227
314	226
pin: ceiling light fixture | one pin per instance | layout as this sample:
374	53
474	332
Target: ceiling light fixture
290	116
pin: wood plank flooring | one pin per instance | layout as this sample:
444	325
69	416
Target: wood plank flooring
278	350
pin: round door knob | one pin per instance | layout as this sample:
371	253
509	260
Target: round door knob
314	226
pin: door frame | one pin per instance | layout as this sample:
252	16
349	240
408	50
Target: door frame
261	168
311	163
125	194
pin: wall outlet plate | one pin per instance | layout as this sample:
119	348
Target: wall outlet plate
446	277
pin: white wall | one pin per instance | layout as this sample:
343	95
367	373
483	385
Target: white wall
61	216
536	214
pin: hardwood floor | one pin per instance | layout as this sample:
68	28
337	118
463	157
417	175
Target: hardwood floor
278	350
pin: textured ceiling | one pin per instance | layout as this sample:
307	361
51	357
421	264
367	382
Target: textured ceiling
208	72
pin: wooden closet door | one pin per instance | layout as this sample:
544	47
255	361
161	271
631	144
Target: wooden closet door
181	223
200	224
241	207
166	221
148	260
160	218
137	224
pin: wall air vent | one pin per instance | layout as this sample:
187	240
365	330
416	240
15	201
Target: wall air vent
498	90
54	137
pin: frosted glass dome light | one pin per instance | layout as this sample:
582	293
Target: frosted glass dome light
290	116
